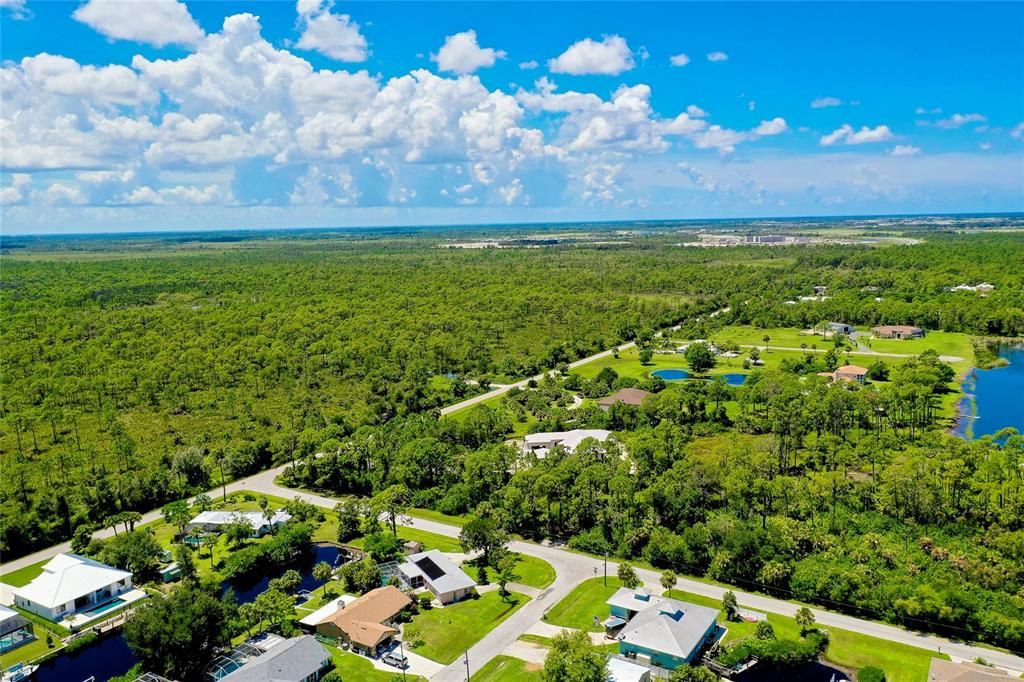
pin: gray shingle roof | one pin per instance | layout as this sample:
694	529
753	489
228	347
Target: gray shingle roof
669	626
290	661
440	571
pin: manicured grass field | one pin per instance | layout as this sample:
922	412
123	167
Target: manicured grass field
354	667
23	576
587	600
427	539
943	343
508	669
532	571
785	337
447	632
38	647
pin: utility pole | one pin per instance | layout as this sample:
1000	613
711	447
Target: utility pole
401	647
465	657
606	567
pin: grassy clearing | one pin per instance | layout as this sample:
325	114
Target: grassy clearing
354	667
531	571
584	608
427	539
944	343
23	576
431	515
447	632
508	669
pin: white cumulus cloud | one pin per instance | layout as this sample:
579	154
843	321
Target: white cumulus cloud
157	22
528	66
680	59
845	134
610	57
717	56
462	54
333	35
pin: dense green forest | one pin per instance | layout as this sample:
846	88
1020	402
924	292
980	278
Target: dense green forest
131	379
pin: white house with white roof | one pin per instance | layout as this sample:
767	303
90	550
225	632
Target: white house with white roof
439	574
71	583
540	443
217	521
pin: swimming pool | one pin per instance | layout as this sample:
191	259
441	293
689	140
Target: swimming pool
103	608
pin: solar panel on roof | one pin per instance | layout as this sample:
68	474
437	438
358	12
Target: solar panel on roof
432	570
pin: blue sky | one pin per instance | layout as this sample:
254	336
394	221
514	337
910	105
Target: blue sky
168	115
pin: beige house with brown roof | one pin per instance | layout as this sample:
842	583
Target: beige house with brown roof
847	373
368	623
897	331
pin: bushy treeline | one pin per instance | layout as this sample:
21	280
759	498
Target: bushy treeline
820	492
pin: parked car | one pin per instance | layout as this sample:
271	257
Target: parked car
396	659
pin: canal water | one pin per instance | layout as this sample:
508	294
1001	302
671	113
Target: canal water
993	398
110	656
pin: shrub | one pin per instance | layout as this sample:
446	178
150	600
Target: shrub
870	674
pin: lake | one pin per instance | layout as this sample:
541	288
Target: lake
993	398
111	656
734	379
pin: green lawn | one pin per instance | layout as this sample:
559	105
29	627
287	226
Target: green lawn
532	571
38	647
427	539
431	515
23	576
784	337
447	632
354	667
587	600
944	343
900	662
508	669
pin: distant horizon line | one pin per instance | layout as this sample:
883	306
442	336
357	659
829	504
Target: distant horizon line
502	224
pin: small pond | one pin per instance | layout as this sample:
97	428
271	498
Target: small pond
111	656
733	379
993	398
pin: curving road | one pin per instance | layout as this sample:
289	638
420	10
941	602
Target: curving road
571	569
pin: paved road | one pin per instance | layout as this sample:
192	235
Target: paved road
944	358
571	568
505	388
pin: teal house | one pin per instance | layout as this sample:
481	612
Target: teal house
667	633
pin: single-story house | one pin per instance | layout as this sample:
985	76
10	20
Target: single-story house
216	521
70	583
947	671
299	659
847	373
15	629
540	443
840	328
667	633
621	670
627	396
170	572
897	331
437	573
368	623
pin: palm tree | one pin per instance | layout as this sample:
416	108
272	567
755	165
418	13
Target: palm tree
323	572
668	581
